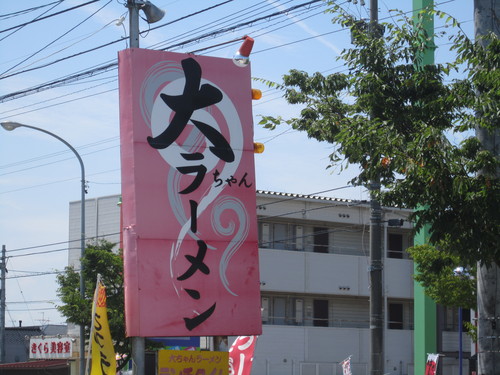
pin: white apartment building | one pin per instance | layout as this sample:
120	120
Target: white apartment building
314	259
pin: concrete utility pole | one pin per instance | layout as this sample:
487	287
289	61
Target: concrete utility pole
138	343
133	19
2	307
376	264
486	19
153	14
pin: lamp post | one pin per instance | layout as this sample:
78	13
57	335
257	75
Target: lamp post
9	125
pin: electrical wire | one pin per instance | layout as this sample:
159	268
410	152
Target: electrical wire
48	273
50	15
18	28
57	182
28	10
59	153
40	301
82	75
58	161
62	242
114	79
2	75
100	69
226	21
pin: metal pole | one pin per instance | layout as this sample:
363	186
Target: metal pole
138	343
133	23
13	125
2	308
138	350
460	348
82	254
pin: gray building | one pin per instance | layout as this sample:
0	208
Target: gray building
17	340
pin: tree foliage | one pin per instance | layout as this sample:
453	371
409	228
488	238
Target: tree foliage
437	273
394	117
100	259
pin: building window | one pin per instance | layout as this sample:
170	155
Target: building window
320	236
395	245
395	316
282	310
281	236
320	313
451	318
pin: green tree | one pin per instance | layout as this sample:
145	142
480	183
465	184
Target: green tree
397	119
393	117
443	282
100	259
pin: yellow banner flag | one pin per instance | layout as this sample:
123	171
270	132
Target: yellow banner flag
103	352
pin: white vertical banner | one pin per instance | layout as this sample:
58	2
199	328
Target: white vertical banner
431	364
346	366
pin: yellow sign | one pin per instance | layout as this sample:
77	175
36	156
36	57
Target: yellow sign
182	362
103	353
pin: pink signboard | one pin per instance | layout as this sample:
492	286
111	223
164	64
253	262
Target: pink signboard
188	193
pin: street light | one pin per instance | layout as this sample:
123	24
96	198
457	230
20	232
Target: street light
9	126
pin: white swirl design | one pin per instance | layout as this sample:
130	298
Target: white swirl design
242	226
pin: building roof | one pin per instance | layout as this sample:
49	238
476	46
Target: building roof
305	196
34	365
348	202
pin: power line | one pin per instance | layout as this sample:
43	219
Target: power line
55	40
57	161
101	69
98	70
31	309
50	15
34	20
59	153
113	42
40	301
57	181
36	275
62	242
244	14
28	10
39	253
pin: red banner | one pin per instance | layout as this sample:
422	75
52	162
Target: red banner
431	364
241	355
188	193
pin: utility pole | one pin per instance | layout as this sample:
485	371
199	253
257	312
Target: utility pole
133	19
138	343
376	264
153	14
486	13
2	307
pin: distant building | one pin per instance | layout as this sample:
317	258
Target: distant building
314	259
17	340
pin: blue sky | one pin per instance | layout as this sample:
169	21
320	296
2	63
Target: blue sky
39	176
